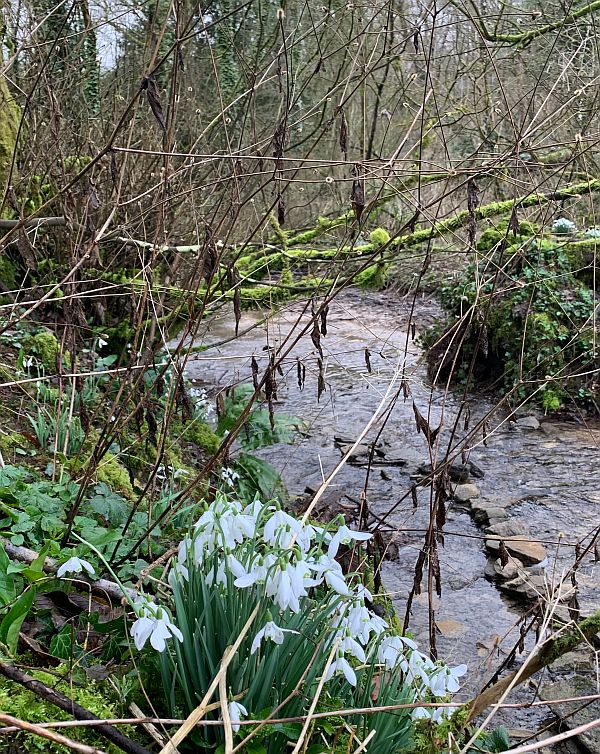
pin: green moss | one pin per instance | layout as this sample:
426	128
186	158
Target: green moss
8	442
202	435
116	476
379	237
25	705
8	272
373	277
45	347
10	115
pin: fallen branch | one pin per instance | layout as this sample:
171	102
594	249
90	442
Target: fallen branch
68	705
57	738
99	586
553	648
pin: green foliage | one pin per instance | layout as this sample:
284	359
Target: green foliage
538	337
257	431
45	347
563	226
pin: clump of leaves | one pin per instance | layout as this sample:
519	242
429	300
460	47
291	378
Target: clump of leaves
522	321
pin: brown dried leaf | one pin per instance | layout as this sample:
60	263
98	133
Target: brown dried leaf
513	223
504	556
315	336
254	366
301	373
423	426
413	493
321	387
152	427
149	84
368	360
357	197
280	209
343	134
323	315
26	250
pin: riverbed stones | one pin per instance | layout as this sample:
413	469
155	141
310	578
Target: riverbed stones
495	570
528	422
465	492
575	675
527	550
487	512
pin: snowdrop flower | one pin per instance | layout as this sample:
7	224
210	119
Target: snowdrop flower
391	651
445	681
101	343
270	631
229	476
344	536
341	666
75	565
329	569
361	622
352	647
280	528
236	712
153	623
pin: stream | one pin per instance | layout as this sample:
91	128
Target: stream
540	476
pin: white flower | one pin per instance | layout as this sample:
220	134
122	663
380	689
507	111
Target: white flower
344	536
341	665
391	651
270	631
75	565
153	623
329	569
280	528
236	712
229	476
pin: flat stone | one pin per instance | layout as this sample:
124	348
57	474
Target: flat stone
528	551
508	529
465	492
524	586
495	569
485	512
528	422
450	628
573	714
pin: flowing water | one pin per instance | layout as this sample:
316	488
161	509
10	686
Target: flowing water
548	475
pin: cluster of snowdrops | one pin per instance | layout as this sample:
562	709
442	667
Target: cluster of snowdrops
313	627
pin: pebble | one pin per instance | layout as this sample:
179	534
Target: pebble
525	549
465	492
528	422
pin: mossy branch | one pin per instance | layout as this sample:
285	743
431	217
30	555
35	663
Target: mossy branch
525	37
548	652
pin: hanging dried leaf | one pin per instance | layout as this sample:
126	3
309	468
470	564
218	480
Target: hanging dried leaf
149	85
368	360
419	572
596	554
280	209
513	223
279	143
467	418
405	389
413	494
321	387
484	432
522	635
484	341
220	405
26	250
92	197
210	258
183	401
254	366
415	40
315	336
152	425
301	373
114	172
357	197
504	556
472	196
343	134
323	314
436	571
423	426
413	330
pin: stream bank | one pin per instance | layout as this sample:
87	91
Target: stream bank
538	475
